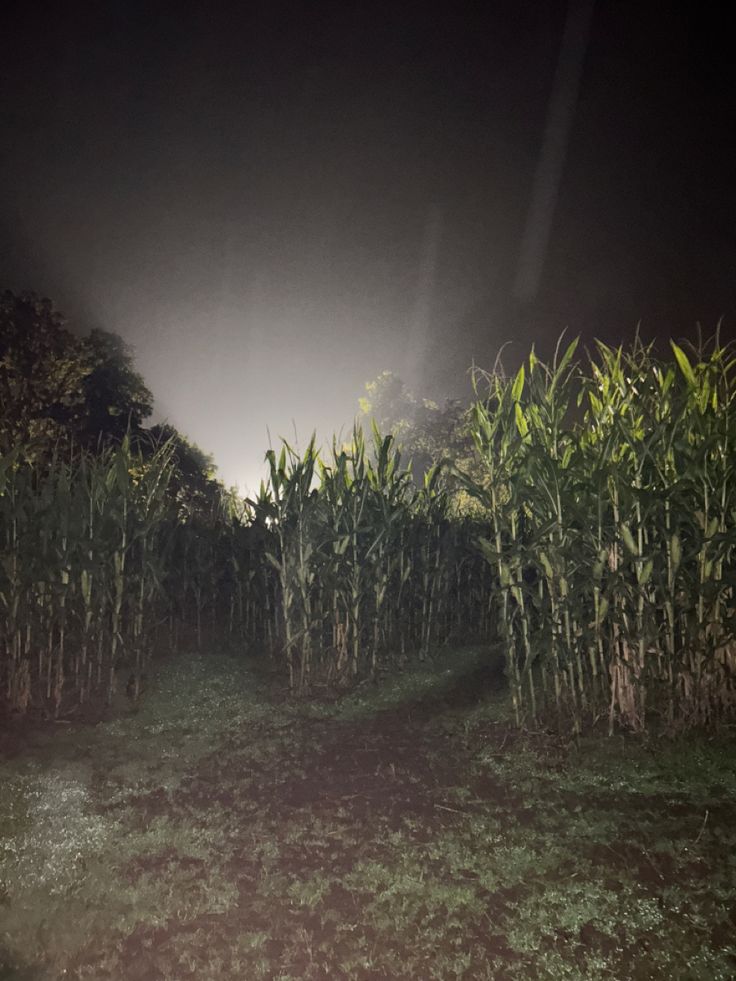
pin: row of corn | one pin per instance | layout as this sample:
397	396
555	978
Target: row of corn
611	497
336	569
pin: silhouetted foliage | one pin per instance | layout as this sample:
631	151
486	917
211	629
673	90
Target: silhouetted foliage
192	485
115	396
57	388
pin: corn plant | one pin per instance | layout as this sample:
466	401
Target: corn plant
78	542
612	532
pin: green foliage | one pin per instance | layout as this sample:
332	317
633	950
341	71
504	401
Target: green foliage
80	571
425	432
583	516
41	374
367	565
613	533
58	388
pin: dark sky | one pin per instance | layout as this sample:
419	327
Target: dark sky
272	202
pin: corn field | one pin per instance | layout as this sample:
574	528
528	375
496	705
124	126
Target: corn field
337	569
368	566
598	552
612	523
81	558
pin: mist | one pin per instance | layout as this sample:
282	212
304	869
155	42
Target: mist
273	205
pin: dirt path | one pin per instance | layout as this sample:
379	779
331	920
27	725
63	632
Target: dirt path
427	840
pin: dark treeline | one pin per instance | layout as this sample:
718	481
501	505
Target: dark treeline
581	517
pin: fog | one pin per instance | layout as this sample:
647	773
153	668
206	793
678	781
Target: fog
274	203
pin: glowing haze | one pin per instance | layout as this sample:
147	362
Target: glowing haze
274	202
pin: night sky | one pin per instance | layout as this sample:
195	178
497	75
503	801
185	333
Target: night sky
273	202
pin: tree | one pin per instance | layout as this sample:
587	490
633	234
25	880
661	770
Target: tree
425	431
192	485
115	396
57	388
390	404
41	373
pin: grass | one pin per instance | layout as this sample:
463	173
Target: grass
405	832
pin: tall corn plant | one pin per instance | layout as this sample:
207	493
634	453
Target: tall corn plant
707	675
366	496
523	439
432	504
345	489
78	538
500	449
295	503
550	510
391	499
14	516
612	536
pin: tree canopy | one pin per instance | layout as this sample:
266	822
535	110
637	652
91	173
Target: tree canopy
59	388
426	431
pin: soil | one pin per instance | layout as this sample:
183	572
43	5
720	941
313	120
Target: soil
356	783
